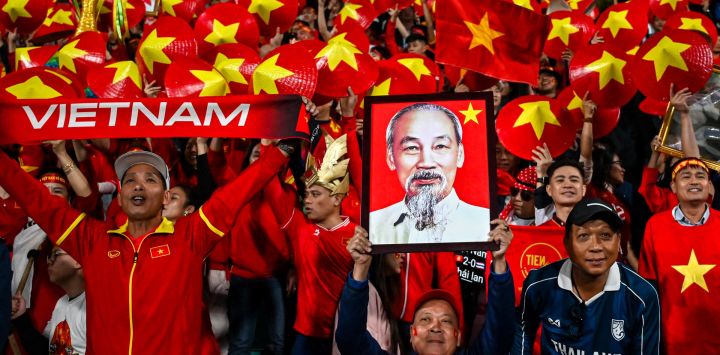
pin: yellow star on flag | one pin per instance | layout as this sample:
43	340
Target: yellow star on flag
633	51
575	103
483	34
573	4
126	69
616	21
214	83
609	68
152	50
667	54
337	50
470	114
266	74
263	8
22	54
16	8
416	66
382	89
230	68
562	28
692	24
222	34
524	3
694	272
349	10
61	17
538	114
672	3
33	88
167	6
68	53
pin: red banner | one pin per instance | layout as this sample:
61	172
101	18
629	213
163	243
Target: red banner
533	248
262	116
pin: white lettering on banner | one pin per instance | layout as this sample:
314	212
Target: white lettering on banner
81	114
563	349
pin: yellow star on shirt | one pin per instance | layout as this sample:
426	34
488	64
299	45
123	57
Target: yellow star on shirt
214	83
152	50
68	53
694	272
349	10
609	68
692	24
61	17
337	50
524	3
266	74
672	3
167	6
562	28
416	66
483	34
667	54
538	114
222	34
470	114
126	69
16	8
263	8
382	89
33	88
616	21
230	68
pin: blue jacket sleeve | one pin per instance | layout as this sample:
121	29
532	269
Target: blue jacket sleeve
527	327
497	333
647	340
351	335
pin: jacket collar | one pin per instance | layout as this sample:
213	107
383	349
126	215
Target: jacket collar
164	227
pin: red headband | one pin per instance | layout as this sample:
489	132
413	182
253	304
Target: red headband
53	177
687	163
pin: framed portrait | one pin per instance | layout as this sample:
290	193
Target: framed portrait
429	172
152	7
705	116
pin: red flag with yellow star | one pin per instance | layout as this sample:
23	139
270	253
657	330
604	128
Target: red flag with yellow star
603	71
24	15
288	69
82	53
425	72
226	23
187	10
606	119
116	80
37	83
693	21
341	64
193	77
666	8
361	11
394	79
30	57
568	30
532	5
484	36
168	39
271	14
624	24
236	63
531	121
675	57
60	22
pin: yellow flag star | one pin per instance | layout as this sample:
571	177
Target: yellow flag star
382	89
167	6
416	66
575	103
230	68
524	3
68	53
609	68
633	50
562	28
349	10
222	34
694	272
672	3
214	83
126	69
692	24
263	8
152	50
266	74
61	17
667	54
337	50
573	4
33	88
483	34
16	8
538	114
22	54
470	114
616	21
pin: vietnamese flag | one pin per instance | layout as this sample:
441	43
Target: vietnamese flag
30	57
160	251
484	36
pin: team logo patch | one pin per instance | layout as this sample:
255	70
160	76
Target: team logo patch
159	251
618	329
112	254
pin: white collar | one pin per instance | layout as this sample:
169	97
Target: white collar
565	280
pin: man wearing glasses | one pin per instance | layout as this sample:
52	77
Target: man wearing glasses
520	210
589	303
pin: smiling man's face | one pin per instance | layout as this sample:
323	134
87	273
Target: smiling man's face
566	186
435	329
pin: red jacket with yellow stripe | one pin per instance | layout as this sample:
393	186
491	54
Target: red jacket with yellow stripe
144	299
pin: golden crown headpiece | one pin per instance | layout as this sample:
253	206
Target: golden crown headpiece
332	174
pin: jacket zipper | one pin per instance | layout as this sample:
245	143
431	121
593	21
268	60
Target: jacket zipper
130	286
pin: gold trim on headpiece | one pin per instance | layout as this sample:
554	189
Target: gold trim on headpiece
689	162
333	174
54	178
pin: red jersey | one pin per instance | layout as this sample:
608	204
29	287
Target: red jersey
658	198
144	299
683	261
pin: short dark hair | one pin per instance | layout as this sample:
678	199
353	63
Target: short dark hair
413	37
565	162
422	106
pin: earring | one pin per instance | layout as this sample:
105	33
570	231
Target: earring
185	213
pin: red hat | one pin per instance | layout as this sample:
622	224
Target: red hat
82	53
186	10
605	118
271	14
624	24
288	69
394	79
438	294
654	107
30	57
568	29
25	16
235	62
37	83
193	77
693	21
603	71
116	80
665	9
361	11
425	72
60	22
355	34
341	64
526	179
168	39
226	23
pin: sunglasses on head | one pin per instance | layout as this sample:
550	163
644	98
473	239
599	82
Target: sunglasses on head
525	195
577	315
